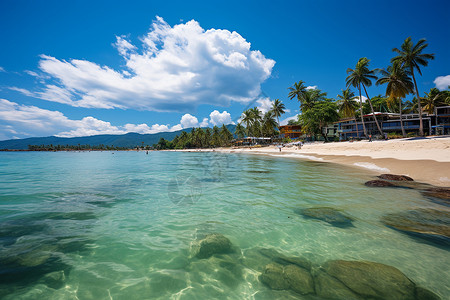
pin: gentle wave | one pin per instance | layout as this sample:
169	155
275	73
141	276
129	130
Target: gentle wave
371	166
310	157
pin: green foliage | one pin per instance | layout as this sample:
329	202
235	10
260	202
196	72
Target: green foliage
319	116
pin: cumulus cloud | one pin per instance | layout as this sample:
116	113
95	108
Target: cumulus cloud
176	69
16	119
188	121
286	121
311	87
264	104
442	82
217	118
363	98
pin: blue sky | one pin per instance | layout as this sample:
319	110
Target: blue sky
83	67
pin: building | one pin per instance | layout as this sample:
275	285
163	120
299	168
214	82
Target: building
442	123
389	122
290	131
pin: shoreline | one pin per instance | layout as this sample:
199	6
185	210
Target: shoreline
426	160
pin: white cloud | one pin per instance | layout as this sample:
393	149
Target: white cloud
264	104
177	69
16	119
31	73
285	121
188	121
204	123
311	87
23	91
217	118
363	98
2	69
442	82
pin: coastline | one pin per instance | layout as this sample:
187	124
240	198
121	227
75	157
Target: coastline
426	160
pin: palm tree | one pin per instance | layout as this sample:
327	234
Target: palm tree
411	56
247	118
278	109
348	105
297	90
269	123
239	131
310	98
256	118
399	85
433	98
362	76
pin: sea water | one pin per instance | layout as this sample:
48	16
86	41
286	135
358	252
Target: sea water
120	225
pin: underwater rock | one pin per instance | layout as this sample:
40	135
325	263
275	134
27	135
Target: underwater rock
424	294
299	279
285	260
273	277
379	183
395	177
54	280
329	287
327	214
279	277
441	193
214	243
429	224
371	280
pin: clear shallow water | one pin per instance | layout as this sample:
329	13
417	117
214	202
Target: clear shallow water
120	226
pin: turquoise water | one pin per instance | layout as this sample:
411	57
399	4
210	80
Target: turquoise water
120	225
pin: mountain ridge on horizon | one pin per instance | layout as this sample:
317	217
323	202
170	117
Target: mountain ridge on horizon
128	140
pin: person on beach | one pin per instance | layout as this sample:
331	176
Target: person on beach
370	137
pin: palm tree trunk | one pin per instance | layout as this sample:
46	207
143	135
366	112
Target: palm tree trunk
401	117
419	105
373	112
362	114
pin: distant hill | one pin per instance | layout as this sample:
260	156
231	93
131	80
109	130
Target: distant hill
128	140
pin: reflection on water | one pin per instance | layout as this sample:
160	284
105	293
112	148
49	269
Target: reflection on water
130	225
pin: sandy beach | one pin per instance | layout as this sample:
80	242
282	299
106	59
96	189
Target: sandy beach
424	159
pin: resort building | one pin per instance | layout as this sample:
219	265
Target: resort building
290	131
442	124
389	122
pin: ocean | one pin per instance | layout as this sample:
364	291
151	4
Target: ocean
124	225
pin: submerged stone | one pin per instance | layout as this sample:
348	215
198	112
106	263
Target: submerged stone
429	224
371	280
214	243
395	177
279	277
424	294
379	183
328	287
54	280
329	215
441	194
285	260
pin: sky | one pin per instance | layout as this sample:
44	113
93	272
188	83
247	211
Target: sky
77	68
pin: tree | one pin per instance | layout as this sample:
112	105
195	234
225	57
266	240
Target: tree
297	90
226	136
269	124
247	118
433	99
278	109
256	124
320	115
347	106
399	85
411	57
362	77
215	137
239	131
